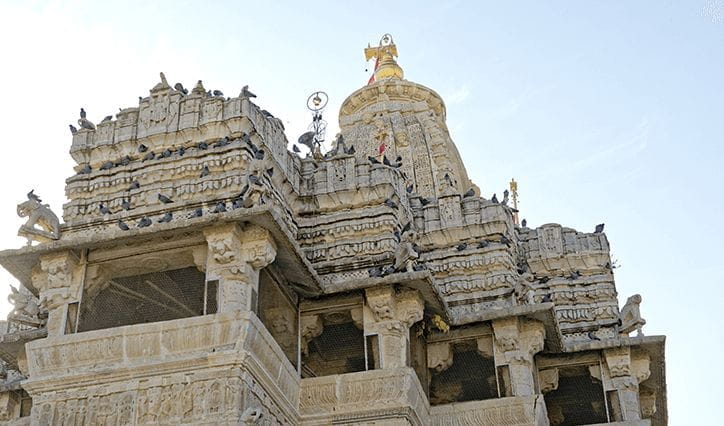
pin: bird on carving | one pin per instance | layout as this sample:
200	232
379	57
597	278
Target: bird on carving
166	153
295	149
134	185
461	246
494	199
168	217
208	93
524	223
599	228
243	190
505	240
350	150
410	188
406	227
31	196
196	213
126	204
107	165
424	201
259	154
82	113
237	203
142	148
574	275
448	179
73	129
419	267
219	208
107	118
267	114
204	171
150	156
385	161
180	87
85	170
218	93
397	235
202	146
483	244
469	193
375	272
126	160
391	204
373	160
222	142
181	151
123	225
245	93
144	222
592	336
269	172
505	198
103	209
164	199
254	179
307	139
546	298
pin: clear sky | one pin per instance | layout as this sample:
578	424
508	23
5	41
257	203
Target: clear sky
604	111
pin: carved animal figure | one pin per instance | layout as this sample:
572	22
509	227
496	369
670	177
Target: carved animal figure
38	214
631	316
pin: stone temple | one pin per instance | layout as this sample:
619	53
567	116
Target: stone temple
206	272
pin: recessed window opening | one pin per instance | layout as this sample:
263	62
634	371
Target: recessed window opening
578	400
339	349
471	377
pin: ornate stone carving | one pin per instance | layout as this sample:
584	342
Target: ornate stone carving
41	215
548	380
311	327
631	316
439	356
26	308
618	361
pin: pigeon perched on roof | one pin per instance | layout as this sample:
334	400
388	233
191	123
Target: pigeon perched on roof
150	156
73	129
599	228
144	222
134	185
469	193
483	244
350	150
85	170
196	213
202	146
295	149
391	204
505	198
494	199
461	246
410	188
524	223
164	199
219	208
180	87
218	93
142	148
107	165
245	93
168	217
126	205
123	225
107	118
204	171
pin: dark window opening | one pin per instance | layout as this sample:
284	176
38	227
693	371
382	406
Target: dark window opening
418	356
26	404
152	297
373	352
278	314
471	377
339	349
579	399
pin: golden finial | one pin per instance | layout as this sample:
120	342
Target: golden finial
514	195
385	64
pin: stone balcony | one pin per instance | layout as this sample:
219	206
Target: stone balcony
185	371
517	410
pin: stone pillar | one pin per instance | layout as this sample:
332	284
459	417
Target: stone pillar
234	258
390	315
627	370
58	280
516	342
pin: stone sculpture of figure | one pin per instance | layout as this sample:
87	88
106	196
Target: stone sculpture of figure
405	256
250	416
41	215
631	316
26	308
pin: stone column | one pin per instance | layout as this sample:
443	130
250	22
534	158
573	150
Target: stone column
58	280
390	315
516	342
234	258
626	372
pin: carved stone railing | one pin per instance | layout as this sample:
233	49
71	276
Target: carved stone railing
192	369
519	410
353	397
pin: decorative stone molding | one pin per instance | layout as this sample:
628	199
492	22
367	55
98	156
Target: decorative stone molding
311	327
548	380
618	361
57	279
627	370
439	356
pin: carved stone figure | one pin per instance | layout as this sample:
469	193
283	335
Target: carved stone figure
26	307
631	316
41	215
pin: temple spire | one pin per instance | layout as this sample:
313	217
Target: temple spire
385	64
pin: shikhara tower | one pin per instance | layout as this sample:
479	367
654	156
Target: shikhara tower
206	274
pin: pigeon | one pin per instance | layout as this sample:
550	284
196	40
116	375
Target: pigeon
410	188
419	267
126	204
142	148
469	193
295	149
243	190
73	129
222	142
505	240
259	154
406	227
82	113
544	280
144	222
202	146
164	199
494	199
126	160
103	209
307	139
196	213
245	93
524	223
123	225
150	156
398	161
107	118
483	244
375	272
220	208
505	198
208	93
447	178
574	275
254	179
166	153
134	185
269	172
218	93
546	298
267	114
389	270
592	336
237	203
107	165
397	235
85	170
181	151
32	196
204	171
168	217
373	160
599	228
391	204
180	87
424	201
385	161
350	150
461	246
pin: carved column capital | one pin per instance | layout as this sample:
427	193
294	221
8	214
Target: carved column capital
311	326
57	278
439	356
516	341
548	380
618	361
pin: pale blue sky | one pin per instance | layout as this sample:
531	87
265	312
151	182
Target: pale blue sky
604	111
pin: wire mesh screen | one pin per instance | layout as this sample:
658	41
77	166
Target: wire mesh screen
339	349
471	377
579	399
158	296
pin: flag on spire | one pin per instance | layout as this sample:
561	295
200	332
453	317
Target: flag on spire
372	77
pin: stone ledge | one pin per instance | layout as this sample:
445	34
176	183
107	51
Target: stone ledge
517	410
